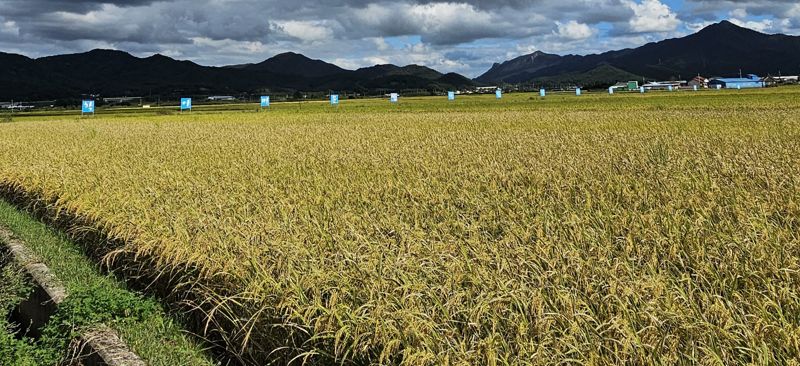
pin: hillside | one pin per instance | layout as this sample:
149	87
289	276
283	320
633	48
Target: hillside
291	63
719	49
117	73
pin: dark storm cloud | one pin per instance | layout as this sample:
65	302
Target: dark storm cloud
31	8
135	21
171	21
453	35
708	9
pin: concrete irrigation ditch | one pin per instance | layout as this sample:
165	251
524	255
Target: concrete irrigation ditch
100	345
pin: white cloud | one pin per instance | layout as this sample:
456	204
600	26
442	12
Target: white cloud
376	61
306	31
695	27
652	16
443	16
438	22
380	44
791	21
738	13
573	30
794	11
763	25
9	28
230	46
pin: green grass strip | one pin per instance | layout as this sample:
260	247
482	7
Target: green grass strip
13	289
93	298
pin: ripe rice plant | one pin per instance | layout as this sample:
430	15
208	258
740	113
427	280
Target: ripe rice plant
659	229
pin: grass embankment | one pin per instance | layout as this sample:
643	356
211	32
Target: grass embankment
655	229
13	289
93	299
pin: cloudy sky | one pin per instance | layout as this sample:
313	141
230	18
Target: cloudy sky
464	36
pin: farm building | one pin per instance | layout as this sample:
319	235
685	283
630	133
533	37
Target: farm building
486	89
123	100
663	85
221	98
629	86
751	81
779	80
699	81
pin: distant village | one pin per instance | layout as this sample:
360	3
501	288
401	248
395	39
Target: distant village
748	81
699	82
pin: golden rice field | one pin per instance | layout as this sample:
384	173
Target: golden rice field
660	229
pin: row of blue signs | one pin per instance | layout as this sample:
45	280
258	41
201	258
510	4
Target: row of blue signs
186	103
642	89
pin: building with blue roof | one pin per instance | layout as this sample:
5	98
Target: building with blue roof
751	81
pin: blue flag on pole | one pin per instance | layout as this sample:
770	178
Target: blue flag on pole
264	101
186	103
87	106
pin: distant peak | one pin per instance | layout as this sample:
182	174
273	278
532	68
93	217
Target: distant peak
106	51
159	56
541	53
724	25
289	55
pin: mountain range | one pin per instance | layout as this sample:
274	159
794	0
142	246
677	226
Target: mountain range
720	49
117	73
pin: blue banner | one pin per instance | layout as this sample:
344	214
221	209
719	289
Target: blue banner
87	106
451	95
334	99
641	89
264	101
578	91
394	97
542	93
498	93
186	103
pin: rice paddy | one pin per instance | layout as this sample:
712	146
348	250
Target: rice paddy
626	229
